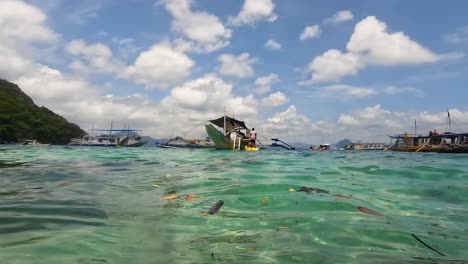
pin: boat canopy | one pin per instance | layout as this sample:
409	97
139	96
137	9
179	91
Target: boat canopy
231	123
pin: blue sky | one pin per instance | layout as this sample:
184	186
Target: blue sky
310	71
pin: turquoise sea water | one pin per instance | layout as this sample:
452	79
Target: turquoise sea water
103	205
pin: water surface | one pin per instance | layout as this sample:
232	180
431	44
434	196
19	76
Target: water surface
103	205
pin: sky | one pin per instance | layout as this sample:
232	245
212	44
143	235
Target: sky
299	70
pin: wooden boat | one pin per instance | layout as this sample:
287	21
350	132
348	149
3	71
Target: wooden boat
365	146
109	138
234	135
446	142
321	147
179	142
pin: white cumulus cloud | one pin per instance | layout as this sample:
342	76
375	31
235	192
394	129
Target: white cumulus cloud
254	11
23	22
263	84
236	66
372	44
205	31
273	45
310	32
377	46
95	58
160	66
274	99
339	17
333	64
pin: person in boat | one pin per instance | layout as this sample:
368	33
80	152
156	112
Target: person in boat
253	137
435	133
406	137
430	133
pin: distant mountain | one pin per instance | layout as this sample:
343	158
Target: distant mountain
20	118
343	143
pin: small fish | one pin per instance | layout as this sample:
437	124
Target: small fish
190	197
342	196
64	184
368	211
215	208
311	189
252	249
264	201
170	197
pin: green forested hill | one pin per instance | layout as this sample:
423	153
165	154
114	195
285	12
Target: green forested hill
20	118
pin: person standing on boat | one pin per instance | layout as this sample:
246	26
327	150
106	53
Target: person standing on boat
253	137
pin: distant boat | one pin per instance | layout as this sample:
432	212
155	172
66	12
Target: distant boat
321	147
31	142
446	142
179	142
109	138
365	146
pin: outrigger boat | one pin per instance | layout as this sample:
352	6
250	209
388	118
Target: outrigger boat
109	138
234	136
447	142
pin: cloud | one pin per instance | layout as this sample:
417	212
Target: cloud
376	46
253	11
196	101
371	44
347	90
274	99
205	31
392	90
273	45
20	31
264	83
239	66
97	57
333	64
376	123
84	10
290	125
20	21
160	66
310	32
460	36
339	17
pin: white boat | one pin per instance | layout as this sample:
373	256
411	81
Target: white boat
31	142
179	142
109	138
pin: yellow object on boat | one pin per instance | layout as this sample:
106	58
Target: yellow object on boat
251	149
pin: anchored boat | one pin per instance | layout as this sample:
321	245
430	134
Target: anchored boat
109	138
234	135
446	142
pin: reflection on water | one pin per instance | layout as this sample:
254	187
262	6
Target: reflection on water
99	205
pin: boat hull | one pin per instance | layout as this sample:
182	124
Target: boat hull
221	141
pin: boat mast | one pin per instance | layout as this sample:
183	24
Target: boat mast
225	120
110	132
415	128
450	121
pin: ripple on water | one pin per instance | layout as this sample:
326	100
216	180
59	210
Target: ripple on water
90	205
